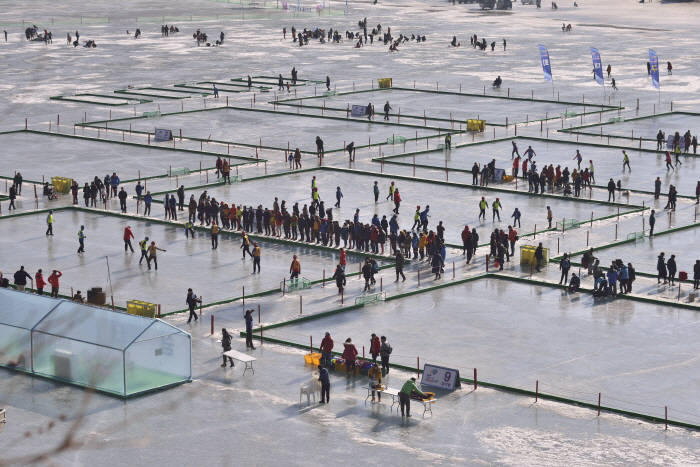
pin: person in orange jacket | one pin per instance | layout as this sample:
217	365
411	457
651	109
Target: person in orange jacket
39	282
128	235
53	280
294	270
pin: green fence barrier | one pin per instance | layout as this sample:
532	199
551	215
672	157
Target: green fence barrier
368	299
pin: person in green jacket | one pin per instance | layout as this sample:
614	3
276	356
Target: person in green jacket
408	388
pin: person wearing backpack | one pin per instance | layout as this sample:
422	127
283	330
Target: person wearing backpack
384	353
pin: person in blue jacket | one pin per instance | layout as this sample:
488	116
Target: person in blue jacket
612	279
114	182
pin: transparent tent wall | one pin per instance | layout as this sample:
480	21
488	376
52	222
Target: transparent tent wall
15	347
157	362
79	362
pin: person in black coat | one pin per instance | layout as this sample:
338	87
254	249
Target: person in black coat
249	329
226	344
339	276
671	266
192	301
661	268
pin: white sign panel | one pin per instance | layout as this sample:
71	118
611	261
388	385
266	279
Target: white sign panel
440	377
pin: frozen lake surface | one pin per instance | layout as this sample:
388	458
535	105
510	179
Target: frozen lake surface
641	356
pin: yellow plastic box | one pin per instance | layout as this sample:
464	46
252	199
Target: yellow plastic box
141	308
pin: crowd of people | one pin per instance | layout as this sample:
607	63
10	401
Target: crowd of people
360	38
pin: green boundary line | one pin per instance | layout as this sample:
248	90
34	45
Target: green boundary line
247	159
95	102
603	108
440	131
576	129
499	387
390	159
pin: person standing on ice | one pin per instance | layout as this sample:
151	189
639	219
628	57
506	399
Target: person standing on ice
325	381
387	109
672	268
482	208
661	268
578	158
564	265
338	196
550	216
611	190
591	172
128	235
529	153
391	191
192	300
328	83
397	201
339	277
147	200
143	245
54	281
81	239
516	217
153	255
49	223
514	152
539	257
256	257
294	271
669	162
495	207
122	200
226	344
475	173
652	221
625	161
319	148
407	390
249	330
216	91
375	189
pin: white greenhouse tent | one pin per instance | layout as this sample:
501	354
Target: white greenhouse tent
110	351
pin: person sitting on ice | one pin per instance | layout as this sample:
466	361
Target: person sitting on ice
497	82
454	42
574	283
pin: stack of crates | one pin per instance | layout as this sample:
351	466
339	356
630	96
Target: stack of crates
476	125
384	83
312	359
140	308
61	184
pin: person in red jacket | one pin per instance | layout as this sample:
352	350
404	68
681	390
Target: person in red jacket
397	200
53	280
39	282
374	346
326	348
128	235
349	355
466	236
343	257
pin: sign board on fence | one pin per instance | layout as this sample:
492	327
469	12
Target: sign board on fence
498	175
163	135
358	110
669	143
440	377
